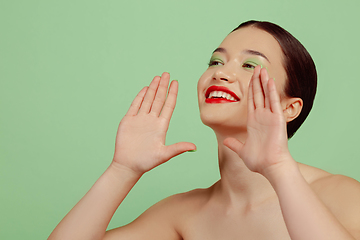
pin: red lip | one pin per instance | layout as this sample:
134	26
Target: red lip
219	100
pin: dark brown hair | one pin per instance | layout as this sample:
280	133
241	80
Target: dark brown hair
299	67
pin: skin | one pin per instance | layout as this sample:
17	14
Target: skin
263	192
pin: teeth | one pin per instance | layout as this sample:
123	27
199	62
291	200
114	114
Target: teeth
221	94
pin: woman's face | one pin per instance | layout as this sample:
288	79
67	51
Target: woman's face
223	88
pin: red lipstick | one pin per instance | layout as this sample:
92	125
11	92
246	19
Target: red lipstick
220	100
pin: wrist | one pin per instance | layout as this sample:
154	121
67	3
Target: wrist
120	171
282	170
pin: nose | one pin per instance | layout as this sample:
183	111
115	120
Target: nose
224	73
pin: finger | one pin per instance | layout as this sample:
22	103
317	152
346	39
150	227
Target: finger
160	94
149	96
257	89
136	103
178	148
274	97
170	102
251	106
264	80
233	144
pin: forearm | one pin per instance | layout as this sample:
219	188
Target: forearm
305	215
92	214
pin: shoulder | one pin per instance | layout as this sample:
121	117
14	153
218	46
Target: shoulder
341	195
186	202
182	205
338	192
164	219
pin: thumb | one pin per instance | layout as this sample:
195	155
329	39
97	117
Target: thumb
178	148
233	144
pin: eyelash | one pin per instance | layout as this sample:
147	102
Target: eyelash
214	63
245	65
249	65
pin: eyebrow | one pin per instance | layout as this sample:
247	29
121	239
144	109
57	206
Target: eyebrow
222	50
247	51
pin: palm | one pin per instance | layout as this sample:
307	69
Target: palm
266	142
140	141
140	133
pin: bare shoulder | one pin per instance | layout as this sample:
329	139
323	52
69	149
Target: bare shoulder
179	206
187	203
164	219
341	194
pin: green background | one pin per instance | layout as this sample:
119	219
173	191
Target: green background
69	70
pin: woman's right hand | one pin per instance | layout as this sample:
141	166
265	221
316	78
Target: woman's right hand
140	141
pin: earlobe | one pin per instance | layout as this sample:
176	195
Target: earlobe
292	108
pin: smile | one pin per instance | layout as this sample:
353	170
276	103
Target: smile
220	94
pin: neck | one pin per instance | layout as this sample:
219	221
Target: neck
238	184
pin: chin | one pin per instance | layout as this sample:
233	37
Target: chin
223	124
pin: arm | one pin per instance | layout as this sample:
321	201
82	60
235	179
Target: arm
140	146
91	215
265	151
305	213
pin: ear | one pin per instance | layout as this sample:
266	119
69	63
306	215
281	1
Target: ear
292	108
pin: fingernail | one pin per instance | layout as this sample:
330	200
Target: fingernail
192	150
274	79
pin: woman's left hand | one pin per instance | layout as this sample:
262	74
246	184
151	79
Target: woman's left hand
266	146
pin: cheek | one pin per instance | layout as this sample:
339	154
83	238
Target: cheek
199	87
280	80
202	83
280	87
199	91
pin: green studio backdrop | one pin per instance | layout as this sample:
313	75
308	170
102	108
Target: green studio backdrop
70	69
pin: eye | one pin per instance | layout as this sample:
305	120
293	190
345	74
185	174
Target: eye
215	62
249	65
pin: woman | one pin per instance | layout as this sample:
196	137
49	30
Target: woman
263	193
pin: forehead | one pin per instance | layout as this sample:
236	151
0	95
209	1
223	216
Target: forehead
251	38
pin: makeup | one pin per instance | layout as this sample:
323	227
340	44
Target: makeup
220	94
192	150
251	63
215	60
